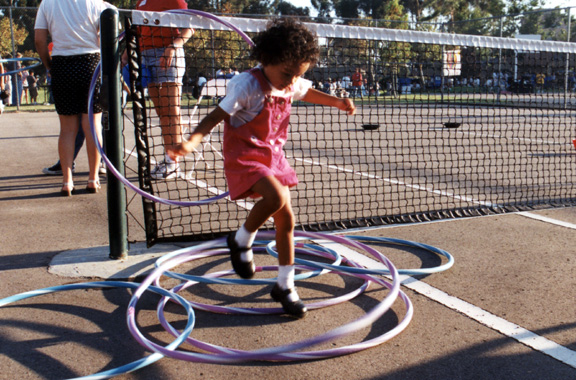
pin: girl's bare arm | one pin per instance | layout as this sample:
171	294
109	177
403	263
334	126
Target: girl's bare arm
321	98
206	125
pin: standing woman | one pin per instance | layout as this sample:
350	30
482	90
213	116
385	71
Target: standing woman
163	54
74	28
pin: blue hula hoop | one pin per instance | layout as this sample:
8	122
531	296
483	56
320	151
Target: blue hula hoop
380	240
130	367
7	60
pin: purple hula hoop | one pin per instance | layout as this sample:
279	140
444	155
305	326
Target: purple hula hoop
284	352
111	167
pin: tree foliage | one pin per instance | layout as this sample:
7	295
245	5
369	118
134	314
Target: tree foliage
20	34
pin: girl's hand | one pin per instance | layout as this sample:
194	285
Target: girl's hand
347	105
179	150
185	147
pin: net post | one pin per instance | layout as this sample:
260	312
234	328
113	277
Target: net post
566	76
117	224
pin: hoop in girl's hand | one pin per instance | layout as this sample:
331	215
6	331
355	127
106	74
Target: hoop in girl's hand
111	167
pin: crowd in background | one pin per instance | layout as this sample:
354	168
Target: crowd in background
23	87
503	82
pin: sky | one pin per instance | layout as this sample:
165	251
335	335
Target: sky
549	3
559	3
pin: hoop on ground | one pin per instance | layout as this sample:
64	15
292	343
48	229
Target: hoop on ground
371	239
213	245
274	352
127	368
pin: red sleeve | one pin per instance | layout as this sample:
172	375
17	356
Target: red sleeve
161	5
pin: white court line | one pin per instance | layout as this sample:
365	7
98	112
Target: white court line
509	329
547	219
540	141
396	182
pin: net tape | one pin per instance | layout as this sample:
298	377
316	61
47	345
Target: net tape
184	20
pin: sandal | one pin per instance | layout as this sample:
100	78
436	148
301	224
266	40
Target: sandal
242	268
295	309
94	189
67	189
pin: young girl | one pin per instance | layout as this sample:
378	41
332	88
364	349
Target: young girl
256	112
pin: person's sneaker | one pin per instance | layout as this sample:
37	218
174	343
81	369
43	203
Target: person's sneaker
165	170
296	308
56	169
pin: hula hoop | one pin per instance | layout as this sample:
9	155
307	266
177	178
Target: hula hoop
127	368
227	357
210	16
202	253
111	167
264	311
407	243
215	278
305	355
26	59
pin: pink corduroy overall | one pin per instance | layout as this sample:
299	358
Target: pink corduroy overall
255	150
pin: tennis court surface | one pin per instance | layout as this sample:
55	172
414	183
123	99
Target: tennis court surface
511	282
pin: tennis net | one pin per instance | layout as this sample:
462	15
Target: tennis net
447	126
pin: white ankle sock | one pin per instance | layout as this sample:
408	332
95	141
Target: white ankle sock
286	280
286	276
244	239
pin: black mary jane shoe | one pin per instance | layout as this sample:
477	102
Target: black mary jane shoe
243	269
295	309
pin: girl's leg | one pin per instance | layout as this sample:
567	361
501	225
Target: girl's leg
276	203
274	198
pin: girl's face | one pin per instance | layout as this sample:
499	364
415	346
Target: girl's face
283	75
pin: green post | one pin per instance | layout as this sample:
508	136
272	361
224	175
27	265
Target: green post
113	137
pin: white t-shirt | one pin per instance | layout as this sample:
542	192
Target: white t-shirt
73	24
244	98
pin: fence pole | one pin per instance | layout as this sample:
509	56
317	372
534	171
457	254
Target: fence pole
111	96
14	77
567	67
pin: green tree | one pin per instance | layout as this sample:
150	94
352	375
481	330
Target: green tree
20	34
323	9
287	9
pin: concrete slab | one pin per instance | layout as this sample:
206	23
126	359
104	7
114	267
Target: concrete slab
94	262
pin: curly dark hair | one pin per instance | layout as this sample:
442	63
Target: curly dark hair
285	40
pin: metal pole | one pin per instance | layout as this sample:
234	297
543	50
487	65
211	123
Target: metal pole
15	87
112	97
566	76
500	76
